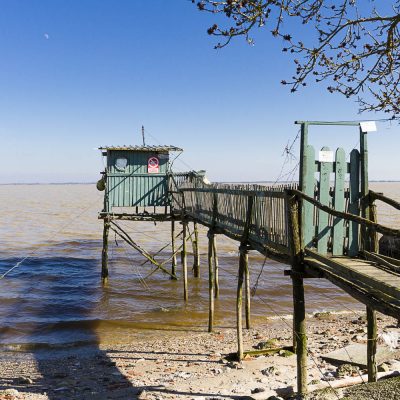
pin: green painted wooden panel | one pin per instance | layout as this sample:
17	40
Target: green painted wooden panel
307	217
133	186
354	207
338	223
323	192
137	161
139	191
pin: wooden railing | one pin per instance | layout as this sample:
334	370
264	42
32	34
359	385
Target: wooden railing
252	214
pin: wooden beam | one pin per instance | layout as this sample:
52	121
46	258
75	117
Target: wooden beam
299	312
380	260
247	293
104	254
356	275
239	300
184	261
173	263
216	267
350	217
196	251
363	293
123	235
371	344
210	236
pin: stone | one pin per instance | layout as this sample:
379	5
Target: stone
323	315
257	390
23	380
356	354
267	344
383	368
286	353
10	392
347	370
268	371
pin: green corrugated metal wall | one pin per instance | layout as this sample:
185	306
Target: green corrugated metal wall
134	186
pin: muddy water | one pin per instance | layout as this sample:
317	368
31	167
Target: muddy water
55	297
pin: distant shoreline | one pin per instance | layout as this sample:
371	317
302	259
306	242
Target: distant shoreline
230	182
48	183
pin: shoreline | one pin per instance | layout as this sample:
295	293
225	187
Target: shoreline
184	365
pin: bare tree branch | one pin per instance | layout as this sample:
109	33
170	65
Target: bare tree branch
356	48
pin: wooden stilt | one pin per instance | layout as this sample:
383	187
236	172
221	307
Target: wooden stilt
247	292
104	254
184	261
216	267
299	311
239	299
196	252
299	321
210	236
173	266
371	345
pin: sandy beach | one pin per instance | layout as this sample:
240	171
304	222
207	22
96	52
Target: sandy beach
191	365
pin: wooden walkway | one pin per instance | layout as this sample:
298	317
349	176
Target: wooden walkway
272	220
257	216
323	227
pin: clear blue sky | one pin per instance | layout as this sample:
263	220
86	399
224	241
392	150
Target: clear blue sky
78	74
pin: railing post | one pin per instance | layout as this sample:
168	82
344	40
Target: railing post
210	236
244	244
299	316
373	237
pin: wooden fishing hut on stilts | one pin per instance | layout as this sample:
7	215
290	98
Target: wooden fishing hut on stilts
136	188
320	229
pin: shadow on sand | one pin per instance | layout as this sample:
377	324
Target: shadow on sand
35	365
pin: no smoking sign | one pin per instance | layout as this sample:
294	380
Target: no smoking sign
153	165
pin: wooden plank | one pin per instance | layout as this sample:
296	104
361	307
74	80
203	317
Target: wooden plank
338	223
355	275
307	218
365	294
354	201
323	227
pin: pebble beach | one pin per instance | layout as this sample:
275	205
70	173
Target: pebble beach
197	365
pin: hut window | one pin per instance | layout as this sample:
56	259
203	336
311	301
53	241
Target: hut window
121	163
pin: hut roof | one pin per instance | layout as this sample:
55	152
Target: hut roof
163	149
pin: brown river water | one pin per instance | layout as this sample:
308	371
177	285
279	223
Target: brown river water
54	297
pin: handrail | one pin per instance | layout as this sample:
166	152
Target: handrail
387	200
261	193
351	217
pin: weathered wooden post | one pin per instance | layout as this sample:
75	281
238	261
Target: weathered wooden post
173	266
196	251
244	244
184	260
216	267
243	260
371	345
104	254
299	313
210	236
248	295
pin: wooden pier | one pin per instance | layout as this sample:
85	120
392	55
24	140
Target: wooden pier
320	229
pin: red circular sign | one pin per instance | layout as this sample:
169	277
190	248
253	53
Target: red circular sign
153	165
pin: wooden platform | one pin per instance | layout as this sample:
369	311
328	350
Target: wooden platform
367	281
